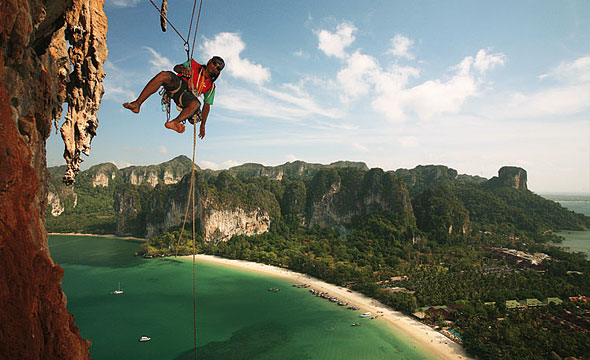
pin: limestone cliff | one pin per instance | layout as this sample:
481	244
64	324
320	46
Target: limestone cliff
512	176
35	79
229	208
221	225
334	196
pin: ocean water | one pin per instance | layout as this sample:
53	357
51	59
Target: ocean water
580	206
237	318
577	241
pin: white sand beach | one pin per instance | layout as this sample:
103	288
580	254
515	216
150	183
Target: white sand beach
420	336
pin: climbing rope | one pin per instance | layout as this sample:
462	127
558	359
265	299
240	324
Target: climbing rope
166	103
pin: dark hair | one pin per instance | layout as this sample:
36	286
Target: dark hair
219	62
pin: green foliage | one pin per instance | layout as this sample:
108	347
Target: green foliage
440	213
387	233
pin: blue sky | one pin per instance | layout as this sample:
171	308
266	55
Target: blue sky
473	85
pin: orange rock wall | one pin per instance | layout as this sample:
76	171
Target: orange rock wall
34	322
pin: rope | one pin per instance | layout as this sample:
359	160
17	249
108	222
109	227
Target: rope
192	189
196	26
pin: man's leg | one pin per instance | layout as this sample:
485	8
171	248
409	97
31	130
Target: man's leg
162	78
191	106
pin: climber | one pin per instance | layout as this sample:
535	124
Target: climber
178	88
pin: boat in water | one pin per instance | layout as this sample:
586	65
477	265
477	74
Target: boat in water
367	314
118	291
144	339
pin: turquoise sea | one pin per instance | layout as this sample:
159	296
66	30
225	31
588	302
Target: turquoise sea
578	241
237	318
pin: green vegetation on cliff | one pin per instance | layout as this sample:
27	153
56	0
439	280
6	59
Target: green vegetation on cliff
411	239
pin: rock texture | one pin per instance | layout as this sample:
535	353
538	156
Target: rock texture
34	82
221	225
86	33
513	176
336	196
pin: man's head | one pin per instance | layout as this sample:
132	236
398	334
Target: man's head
214	66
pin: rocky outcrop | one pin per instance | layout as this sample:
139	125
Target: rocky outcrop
422	177
227	208
336	196
34	81
56	207
221	225
83	90
295	170
513	176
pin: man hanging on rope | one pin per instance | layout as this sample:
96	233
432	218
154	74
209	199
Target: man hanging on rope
201	77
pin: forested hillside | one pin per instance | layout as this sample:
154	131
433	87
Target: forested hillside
463	253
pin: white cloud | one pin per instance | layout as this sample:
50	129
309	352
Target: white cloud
575	72
158	61
122	3
230	163
229	46
434	97
120	164
204	164
568	96
485	61
360	147
558	101
162	150
276	104
115	84
334	43
290	157
400	47
358	75
389	90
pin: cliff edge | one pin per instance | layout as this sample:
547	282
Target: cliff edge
50	52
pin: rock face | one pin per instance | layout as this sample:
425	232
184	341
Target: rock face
220	216
35	80
513	176
221	225
336	196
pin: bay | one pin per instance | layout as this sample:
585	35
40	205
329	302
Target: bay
576	241
237	318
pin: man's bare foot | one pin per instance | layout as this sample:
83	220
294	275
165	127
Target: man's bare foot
133	106
176	126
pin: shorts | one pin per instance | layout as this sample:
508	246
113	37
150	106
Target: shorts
180	92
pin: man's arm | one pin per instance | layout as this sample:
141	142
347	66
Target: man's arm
204	115
181	69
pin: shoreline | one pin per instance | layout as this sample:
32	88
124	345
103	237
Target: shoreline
98	235
422	336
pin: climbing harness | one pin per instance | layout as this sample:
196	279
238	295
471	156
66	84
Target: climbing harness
193	119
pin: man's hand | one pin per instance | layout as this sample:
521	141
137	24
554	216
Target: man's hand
202	131
186	72
182	70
